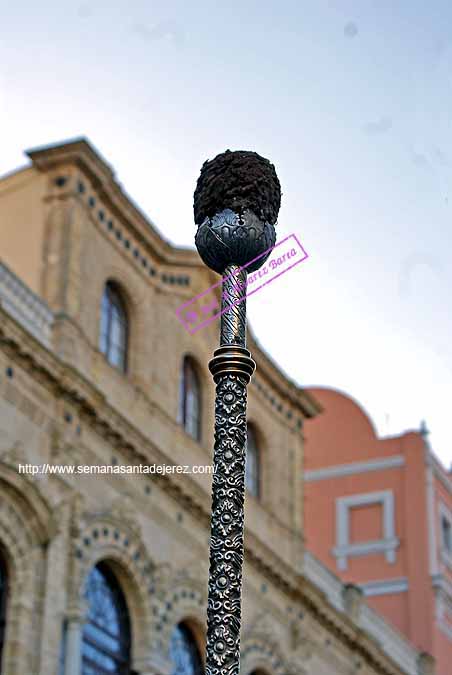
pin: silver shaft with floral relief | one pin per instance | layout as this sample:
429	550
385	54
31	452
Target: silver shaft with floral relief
232	368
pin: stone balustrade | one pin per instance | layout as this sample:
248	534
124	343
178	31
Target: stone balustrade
24	306
396	646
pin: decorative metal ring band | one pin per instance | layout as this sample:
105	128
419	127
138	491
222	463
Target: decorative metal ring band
232	360
232	238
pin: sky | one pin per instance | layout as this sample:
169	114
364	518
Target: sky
351	101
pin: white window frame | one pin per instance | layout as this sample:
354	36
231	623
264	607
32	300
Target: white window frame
446	556
344	548
443	595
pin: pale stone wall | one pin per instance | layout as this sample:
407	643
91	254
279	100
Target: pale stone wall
22	224
63	404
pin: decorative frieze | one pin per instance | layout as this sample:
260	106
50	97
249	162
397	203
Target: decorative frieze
120	237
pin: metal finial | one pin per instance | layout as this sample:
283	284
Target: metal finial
236	206
424	429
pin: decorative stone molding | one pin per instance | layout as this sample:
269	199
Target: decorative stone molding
385	587
261	652
25	496
177	597
281	632
123	511
15	455
345	548
353	468
106	536
109	537
68	454
26	524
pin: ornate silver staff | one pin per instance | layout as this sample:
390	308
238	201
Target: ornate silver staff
236	205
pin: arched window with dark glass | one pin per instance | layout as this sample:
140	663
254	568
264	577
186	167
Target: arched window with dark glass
106	643
3	602
184	652
252	471
190	399
114	328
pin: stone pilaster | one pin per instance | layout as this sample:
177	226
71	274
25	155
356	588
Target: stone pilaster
73	641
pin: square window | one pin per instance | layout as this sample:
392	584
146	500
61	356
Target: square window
365	525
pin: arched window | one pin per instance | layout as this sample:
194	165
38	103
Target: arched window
114	327
184	652
3	600
190	399
106	633
252	471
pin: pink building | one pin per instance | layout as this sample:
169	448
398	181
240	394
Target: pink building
378	513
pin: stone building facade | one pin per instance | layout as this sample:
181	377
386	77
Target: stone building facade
108	572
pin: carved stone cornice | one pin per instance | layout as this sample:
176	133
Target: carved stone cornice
80	153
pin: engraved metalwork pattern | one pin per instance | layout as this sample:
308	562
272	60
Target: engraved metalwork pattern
226	546
233	320
231	368
230	237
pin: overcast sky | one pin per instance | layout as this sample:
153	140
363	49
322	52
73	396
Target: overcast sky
351	100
